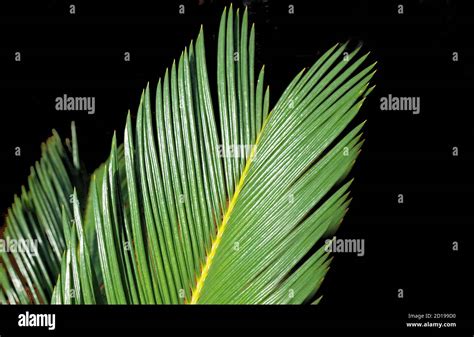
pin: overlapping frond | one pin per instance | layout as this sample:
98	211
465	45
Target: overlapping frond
33	235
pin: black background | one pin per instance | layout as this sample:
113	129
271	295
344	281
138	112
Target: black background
408	246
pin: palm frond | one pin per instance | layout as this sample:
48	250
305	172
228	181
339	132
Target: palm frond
200	206
35	219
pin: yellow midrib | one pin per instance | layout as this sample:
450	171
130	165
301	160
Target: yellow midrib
196	293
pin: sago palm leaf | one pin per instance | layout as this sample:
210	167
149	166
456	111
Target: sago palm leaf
200	206
29	275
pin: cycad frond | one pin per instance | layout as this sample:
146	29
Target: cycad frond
28	275
226	207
